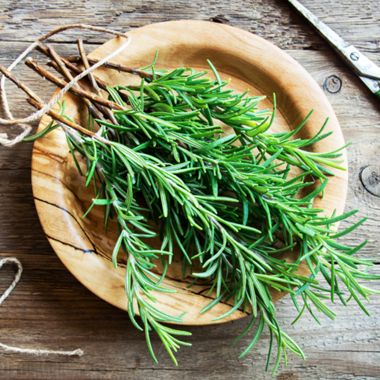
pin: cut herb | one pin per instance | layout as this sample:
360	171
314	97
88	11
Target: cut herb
226	203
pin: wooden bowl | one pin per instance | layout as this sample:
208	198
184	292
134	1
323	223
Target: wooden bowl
251	63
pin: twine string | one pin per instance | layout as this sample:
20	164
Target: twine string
24	123
22	350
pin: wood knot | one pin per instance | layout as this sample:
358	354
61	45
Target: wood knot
287	376
370	178
332	84
220	19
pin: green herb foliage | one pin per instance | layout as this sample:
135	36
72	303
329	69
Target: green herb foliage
223	201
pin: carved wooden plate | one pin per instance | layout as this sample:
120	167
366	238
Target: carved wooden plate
251	63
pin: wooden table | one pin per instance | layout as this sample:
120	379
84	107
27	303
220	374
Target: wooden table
50	309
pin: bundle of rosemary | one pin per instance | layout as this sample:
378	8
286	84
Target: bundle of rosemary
162	165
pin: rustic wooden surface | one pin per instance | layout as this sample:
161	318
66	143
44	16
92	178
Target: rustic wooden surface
50	309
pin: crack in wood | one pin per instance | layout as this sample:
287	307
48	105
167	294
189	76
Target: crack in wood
72	216
84	250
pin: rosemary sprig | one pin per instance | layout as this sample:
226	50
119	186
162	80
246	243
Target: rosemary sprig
226	202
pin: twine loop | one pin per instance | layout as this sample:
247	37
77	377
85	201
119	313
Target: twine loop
22	350
25	123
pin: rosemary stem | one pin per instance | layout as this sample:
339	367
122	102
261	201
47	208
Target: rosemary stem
77	91
93	81
114	66
57	59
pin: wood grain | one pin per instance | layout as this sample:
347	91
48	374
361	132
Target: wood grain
51	309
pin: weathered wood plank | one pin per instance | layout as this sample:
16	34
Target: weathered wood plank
272	19
52	310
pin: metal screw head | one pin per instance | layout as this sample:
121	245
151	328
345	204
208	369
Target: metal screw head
332	84
370	178
354	56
